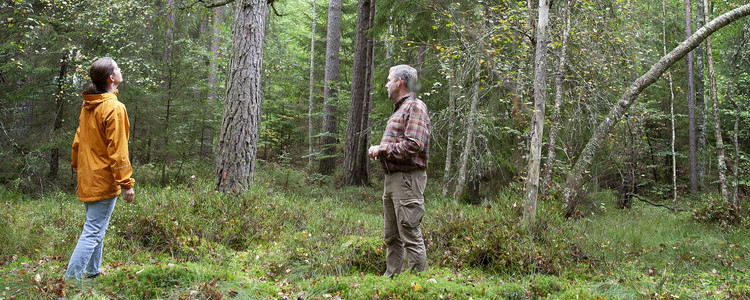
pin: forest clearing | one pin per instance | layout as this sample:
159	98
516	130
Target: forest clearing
362	149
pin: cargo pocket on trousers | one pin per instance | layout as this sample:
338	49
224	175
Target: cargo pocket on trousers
412	212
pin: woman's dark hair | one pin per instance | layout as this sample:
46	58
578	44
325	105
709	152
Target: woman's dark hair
99	72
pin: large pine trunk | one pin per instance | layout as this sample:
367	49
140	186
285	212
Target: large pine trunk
575	177
237	144
330	92
355	152
700	103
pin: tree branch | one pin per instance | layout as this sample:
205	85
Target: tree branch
656	204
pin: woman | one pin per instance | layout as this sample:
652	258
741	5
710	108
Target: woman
100	156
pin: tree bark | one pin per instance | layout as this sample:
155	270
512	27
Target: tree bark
575	177
691	109
237	144
311	102
700	103
451	111
213	78
671	102
167	84
330	92
551	151
470	126
54	162
722	167
537	122
355	152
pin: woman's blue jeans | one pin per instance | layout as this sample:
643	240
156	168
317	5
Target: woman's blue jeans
87	257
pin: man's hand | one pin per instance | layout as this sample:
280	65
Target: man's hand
128	195
375	151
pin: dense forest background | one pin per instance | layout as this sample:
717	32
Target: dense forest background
250	120
476	63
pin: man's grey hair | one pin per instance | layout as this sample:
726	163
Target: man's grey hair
407	73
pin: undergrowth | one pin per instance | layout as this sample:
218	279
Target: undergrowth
297	236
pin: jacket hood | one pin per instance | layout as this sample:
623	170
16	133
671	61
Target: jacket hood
91	101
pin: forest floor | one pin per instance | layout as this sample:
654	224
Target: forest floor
295	236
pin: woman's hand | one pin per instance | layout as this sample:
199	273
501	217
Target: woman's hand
128	195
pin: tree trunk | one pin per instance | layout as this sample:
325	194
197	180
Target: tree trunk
691	109
311	102
330	92
470	126
722	167
575	177
238	140
167	84
537	122
700	103
451	111
213	70
354	150
420	56
54	162
671	101
551	151
737	112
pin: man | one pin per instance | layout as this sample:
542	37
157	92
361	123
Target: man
403	153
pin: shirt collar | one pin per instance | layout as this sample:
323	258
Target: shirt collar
401	101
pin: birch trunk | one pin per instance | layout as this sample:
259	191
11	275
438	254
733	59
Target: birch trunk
575	177
451	111
470	127
551	153
671	101
537	122
722	167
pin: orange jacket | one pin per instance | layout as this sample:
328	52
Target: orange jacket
100	148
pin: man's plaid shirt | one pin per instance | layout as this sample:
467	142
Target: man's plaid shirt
407	136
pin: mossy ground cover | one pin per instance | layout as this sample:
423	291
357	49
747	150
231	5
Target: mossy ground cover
297	236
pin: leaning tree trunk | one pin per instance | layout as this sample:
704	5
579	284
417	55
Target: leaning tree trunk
547	181
691	109
575	177
722	167
330	120
671	101
537	122
237	144
54	161
354	150
470	126
311	103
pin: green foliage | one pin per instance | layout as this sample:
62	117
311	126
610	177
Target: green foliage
714	210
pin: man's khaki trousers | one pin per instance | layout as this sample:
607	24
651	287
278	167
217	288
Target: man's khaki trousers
403	208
